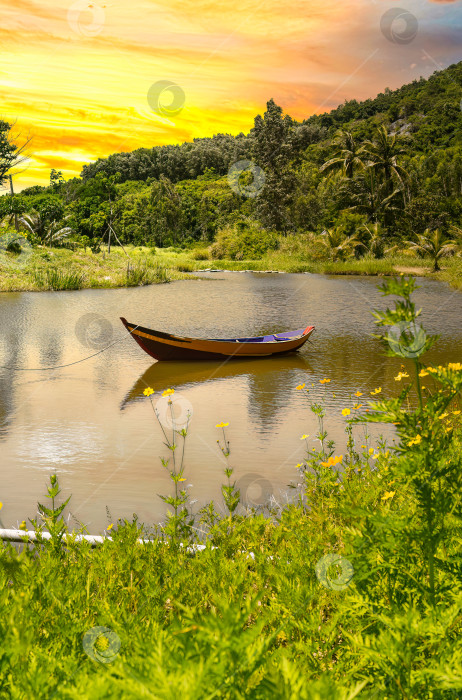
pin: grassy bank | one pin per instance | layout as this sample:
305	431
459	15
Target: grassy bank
41	269
280	261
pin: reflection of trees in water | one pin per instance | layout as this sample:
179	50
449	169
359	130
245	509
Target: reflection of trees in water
268	381
10	357
50	348
269	392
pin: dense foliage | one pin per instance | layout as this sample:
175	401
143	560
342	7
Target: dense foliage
370	177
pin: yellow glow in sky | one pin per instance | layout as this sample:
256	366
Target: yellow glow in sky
76	75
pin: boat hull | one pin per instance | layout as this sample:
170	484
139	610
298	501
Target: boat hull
164	346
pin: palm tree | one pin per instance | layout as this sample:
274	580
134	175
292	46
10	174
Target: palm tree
375	244
434	244
338	244
383	155
49	233
347	156
367	195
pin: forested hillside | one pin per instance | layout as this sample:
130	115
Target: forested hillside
361	179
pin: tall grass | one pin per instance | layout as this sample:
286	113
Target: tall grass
142	274
58	279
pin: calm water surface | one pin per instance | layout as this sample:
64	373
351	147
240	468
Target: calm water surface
92	425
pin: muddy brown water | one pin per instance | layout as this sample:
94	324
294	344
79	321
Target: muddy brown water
91	424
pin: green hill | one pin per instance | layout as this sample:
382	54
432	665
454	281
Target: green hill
376	174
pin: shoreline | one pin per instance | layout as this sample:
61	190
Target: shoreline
61	269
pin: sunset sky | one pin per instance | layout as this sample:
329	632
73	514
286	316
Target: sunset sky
75	75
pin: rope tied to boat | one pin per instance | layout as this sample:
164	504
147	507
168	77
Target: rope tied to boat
69	364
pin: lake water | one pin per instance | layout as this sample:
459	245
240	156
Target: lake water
90	423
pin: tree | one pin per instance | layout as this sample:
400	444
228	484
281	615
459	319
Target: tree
50	232
348	154
338	245
383	153
56	179
434	244
11	153
272	152
367	195
166	211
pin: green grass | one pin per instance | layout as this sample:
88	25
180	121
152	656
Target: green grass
64	269
58	279
58	268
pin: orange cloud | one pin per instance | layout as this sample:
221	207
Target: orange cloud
79	80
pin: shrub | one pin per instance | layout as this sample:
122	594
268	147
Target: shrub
200	254
243	240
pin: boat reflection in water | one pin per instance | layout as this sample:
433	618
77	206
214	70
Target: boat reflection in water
266	377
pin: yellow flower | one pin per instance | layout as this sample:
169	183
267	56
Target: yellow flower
457	366
297	466
332	461
304	437
371	450
1	506
432	370
423	373
23	525
376	391
167	392
455	413
443	416
324	381
375	456
363	446
346	412
181	479
110	527
359	393
357	405
387	495
300	386
222	425
401	375
148	391
415	441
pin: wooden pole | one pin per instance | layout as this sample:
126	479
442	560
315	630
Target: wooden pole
16	222
110	230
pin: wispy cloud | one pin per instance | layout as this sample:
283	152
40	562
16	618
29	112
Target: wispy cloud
81	86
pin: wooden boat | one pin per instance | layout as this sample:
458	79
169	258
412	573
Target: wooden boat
164	346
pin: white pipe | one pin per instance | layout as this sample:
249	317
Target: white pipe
31	536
